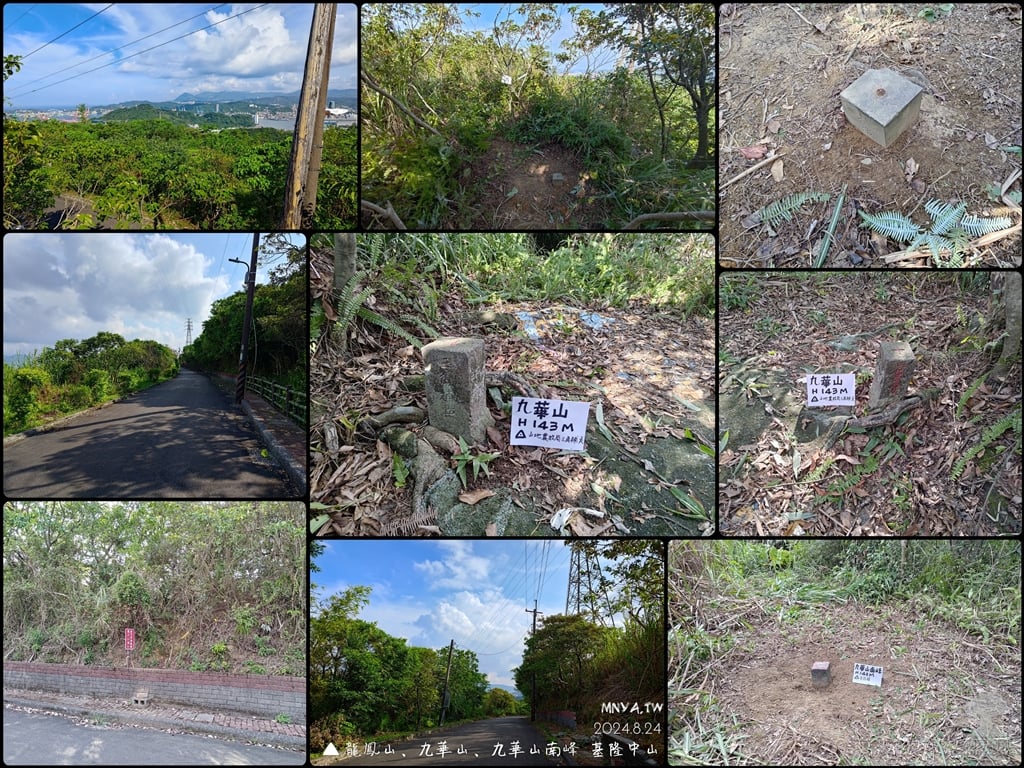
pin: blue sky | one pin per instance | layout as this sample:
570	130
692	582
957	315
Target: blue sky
141	286
263	50
475	591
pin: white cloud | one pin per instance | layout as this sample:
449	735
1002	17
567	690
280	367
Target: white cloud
263	50
460	568
59	286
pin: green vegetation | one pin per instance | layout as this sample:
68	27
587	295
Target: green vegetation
157	173
365	683
435	97
73	375
408	274
77	573
150	112
581	661
278	340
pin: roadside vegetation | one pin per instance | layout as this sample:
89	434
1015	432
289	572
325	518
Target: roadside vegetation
74	375
610	650
210	586
277	341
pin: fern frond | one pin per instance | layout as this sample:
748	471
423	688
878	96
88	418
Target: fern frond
388	325
976	226
989	436
969	392
349	303
945	216
782	210
427	329
893	225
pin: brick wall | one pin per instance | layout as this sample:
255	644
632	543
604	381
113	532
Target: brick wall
262	695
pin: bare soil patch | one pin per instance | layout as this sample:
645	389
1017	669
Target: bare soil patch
520	187
921	475
946	697
780	80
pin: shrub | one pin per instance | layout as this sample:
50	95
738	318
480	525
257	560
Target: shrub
76	397
23	398
98	382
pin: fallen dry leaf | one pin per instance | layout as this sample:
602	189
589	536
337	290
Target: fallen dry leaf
754	152
491	529
773	126
472	497
777	172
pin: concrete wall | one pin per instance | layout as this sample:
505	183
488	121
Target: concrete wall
262	695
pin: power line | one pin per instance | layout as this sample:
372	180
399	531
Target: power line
147	50
58	37
115	50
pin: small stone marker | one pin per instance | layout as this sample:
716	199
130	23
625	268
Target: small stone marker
141	696
895	367
549	423
867	674
558	179
824	389
821	674
454	381
882	104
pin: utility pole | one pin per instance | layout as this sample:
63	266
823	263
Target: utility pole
533	676
299	203
445	696
250	285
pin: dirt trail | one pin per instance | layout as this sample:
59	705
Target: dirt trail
521	187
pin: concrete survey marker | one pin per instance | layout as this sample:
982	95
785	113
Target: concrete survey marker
454	382
882	104
894	368
821	674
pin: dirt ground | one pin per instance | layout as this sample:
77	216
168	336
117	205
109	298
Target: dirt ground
945	698
782	68
652	375
924	474
518	188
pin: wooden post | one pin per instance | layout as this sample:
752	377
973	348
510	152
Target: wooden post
296	196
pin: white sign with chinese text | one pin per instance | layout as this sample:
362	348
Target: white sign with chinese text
558	424
867	674
824	389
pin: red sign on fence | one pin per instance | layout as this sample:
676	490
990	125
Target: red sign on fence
129	639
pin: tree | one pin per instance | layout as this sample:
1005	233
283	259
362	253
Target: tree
83	113
1012	305
466	684
500	702
560	653
673	42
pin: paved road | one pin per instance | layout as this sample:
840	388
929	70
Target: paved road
180	439
486	742
47	739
